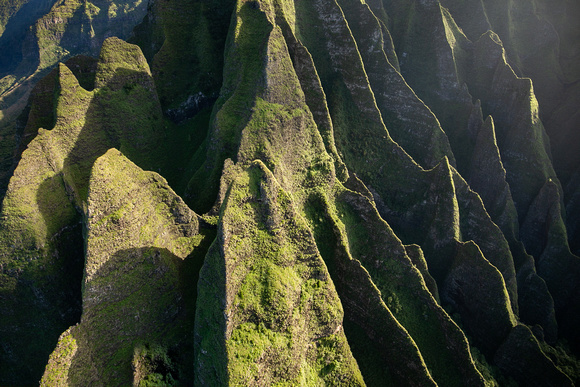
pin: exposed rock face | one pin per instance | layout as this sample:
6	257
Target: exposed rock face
341	192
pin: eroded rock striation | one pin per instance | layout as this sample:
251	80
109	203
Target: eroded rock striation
263	192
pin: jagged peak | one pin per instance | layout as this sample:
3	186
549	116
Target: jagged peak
522	340
544	211
466	273
442	194
492	36
310	275
490	44
120	62
487	134
67	80
71	97
109	202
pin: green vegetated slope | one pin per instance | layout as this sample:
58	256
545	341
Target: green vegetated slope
375	202
38	35
133	312
43	211
16	16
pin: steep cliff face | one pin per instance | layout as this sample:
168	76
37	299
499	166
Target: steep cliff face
42	213
153	249
15	18
37	35
342	192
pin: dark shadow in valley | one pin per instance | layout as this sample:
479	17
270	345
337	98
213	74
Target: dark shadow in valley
45	302
16	31
138	318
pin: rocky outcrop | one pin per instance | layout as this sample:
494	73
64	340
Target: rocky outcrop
411	124
375	201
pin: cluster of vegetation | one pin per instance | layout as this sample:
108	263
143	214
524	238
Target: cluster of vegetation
278	192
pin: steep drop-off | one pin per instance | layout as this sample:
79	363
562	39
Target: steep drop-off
278	192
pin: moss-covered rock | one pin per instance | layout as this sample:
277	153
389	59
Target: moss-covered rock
380	252
139	235
283	317
46	197
39	35
522	358
372	227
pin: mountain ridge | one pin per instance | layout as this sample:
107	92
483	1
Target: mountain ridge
340	210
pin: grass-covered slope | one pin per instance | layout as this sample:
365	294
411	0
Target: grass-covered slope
39	35
284	317
134	320
294	131
41	231
375	202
